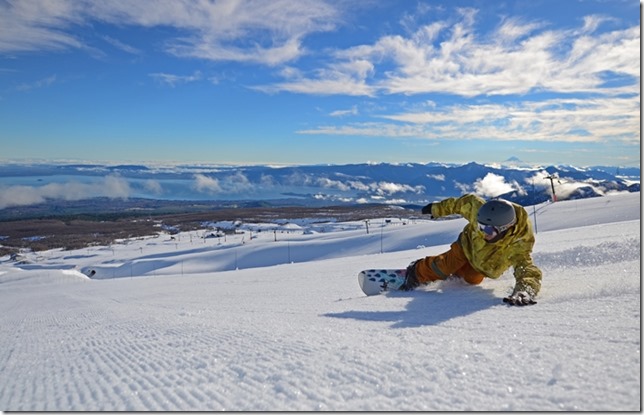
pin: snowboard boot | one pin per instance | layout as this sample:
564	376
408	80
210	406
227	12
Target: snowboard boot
411	280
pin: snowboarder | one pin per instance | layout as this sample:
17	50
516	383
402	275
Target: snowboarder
498	235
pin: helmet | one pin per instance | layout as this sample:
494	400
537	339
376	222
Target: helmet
498	213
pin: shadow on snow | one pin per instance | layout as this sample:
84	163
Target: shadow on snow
443	302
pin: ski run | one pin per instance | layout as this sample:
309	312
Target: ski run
273	319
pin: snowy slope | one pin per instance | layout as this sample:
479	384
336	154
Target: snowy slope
251	323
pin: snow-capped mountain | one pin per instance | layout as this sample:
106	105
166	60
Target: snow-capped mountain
403	184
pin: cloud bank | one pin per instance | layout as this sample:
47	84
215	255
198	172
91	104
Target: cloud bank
114	187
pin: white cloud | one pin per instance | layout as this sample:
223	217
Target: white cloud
358	185
238	183
115	187
451	57
342	78
234	183
564	186
36	25
110	186
438	56
267	181
571	119
153	186
512	29
265	32
206	184
463	187
441	56
122	46
390	188
332	184
41	83
493	185
343	113
174	80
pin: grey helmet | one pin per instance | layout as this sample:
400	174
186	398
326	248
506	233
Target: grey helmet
498	213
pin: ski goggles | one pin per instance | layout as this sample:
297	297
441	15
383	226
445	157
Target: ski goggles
494	230
488	229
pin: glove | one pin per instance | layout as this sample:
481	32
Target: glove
427	210
519	298
411	280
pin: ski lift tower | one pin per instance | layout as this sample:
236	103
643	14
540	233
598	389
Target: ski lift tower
552	178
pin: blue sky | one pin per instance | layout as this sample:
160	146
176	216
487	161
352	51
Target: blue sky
313	81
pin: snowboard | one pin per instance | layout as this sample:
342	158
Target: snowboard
376	281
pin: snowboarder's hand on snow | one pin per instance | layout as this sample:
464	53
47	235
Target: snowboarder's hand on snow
411	281
519	298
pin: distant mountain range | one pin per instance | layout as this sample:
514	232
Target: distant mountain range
409	184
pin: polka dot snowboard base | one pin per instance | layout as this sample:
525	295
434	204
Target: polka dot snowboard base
376	281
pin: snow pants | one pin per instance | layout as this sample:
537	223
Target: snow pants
452	262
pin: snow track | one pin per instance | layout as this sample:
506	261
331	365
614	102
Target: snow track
301	336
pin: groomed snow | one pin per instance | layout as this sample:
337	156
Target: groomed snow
248	322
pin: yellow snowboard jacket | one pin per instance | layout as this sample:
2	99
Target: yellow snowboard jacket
493	259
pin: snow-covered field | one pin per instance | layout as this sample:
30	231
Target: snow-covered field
275	320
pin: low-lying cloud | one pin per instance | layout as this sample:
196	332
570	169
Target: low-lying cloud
114	187
565	186
236	183
493	185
